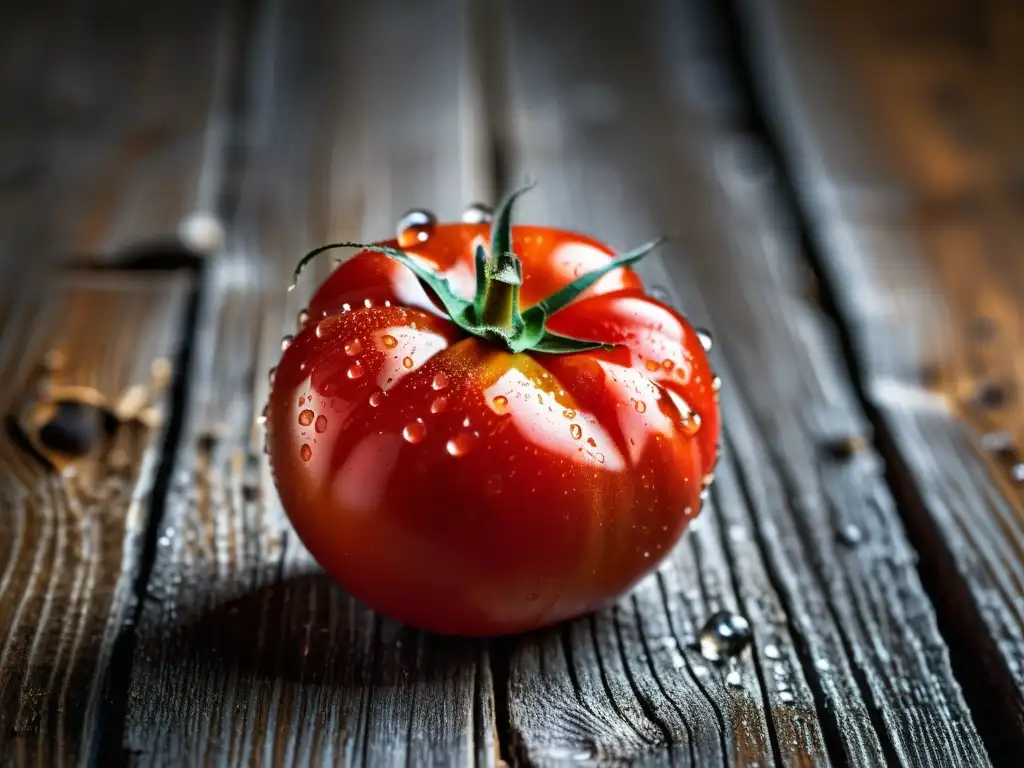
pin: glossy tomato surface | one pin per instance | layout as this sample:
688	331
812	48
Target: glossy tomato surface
464	489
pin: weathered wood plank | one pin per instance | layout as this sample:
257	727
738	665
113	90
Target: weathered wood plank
70	540
105	142
340	149
911	181
631	122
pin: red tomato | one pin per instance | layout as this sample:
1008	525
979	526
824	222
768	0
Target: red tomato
464	488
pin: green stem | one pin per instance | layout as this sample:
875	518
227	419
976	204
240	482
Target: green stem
500	304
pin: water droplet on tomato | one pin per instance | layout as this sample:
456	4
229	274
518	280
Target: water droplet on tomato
706	340
569	413
415	227
465	422
354	371
667	364
306	452
270	375
439	405
389	341
500	403
376	399
321	424
286	341
690	423
346	307
303	318
302	401
477	213
306	418
440	381
462	444
367	303
575	431
652	365
415	431
640	406
353	348
262	419
407	362
716	383
724	635
326	325
592	442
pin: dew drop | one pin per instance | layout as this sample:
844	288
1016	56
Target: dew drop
690	423
415	227
354	371
640	406
716	383
575	431
465	422
569	413
321	424
734	679
286	341
353	348
389	341
667	364
376	399
592	442
439	405
772	651
706	340
270	375
477	213
1017	472
461	444
262	419
850	534
346	307
306	418
500	403
302	401
725	634
306	452
407	362
326	325
303	318
440	380
652	365
367	303
415	431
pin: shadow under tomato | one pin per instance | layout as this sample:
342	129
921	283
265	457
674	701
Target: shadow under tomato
306	629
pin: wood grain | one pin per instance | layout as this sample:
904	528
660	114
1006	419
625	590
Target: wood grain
248	653
107	146
633	125
69	541
911	184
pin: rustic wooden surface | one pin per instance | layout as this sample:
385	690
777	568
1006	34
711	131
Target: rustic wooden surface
105	143
912	185
160	611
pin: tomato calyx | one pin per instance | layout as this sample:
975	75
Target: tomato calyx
494	312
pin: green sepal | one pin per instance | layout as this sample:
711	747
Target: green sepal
553	344
501	228
564	296
459	310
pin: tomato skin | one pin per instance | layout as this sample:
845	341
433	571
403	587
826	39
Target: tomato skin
467	490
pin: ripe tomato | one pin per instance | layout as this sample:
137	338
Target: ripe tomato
467	468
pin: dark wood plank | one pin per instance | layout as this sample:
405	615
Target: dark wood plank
70	538
248	653
912	183
105	142
632	125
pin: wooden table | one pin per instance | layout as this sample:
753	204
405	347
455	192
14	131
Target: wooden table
847	182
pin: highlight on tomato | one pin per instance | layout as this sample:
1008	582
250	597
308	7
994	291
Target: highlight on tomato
484	429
